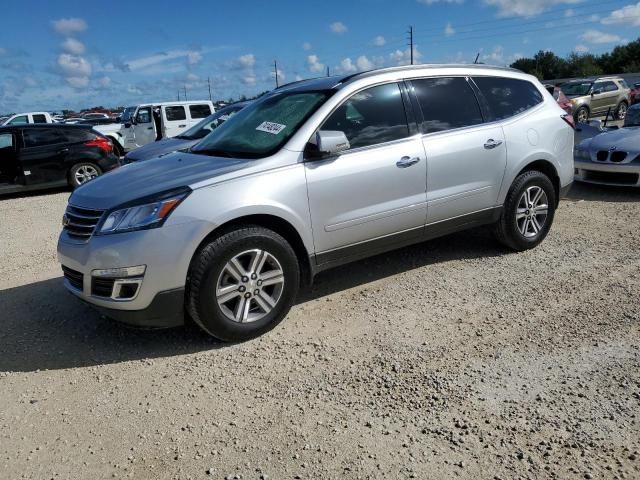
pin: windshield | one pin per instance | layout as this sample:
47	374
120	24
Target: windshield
632	118
209	124
575	89
127	114
260	129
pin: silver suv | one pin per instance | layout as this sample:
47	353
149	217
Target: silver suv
310	176
595	97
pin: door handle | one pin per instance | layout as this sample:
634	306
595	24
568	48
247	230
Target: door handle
491	143
405	162
63	150
181	126
149	128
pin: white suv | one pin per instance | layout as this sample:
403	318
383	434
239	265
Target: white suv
314	175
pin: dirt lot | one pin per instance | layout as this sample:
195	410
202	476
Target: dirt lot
452	358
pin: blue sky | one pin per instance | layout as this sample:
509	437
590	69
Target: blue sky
74	54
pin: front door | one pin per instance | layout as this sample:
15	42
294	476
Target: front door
374	190
8	159
607	96
144	130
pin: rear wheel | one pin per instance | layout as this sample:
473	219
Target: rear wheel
243	283
117	149
621	111
82	173
528	212
582	115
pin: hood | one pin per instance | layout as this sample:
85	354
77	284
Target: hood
625	139
138	180
155	149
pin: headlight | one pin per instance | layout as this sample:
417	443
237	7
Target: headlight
582	154
142	216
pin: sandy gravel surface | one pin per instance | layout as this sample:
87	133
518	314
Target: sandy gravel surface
453	358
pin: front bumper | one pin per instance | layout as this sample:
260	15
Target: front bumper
166	252
607	173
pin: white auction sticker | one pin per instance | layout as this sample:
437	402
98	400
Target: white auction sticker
270	127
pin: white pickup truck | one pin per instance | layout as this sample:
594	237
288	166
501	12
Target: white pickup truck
146	123
29	117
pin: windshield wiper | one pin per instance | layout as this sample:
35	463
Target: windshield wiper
184	137
212	152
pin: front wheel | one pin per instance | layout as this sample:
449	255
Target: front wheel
528	212
243	283
82	173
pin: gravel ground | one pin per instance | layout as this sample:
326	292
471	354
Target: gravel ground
453	358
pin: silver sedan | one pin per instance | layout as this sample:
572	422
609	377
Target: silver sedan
612	157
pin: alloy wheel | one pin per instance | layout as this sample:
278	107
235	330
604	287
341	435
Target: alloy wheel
622	111
85	173
532	211
249	286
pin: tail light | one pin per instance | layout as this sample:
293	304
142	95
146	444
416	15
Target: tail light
569	119
102	143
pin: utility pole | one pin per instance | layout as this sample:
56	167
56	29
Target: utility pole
185	92
275	70
328	75
178	94
209	83
477	57
411	42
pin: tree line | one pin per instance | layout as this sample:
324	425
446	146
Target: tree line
547	65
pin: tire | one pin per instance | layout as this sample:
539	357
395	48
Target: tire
117	149
509	230
621	111
581	115
213	277
83	172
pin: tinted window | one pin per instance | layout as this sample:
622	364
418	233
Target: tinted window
446	103
37	137
199	111
19	120
508	96
6	140
175	113
609	87
373	116
78	135
144	115
39	119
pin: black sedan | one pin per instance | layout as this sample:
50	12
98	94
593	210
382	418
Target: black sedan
52	155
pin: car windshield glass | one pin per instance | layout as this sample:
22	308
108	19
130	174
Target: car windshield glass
127	114
574	89
632	119
209	124
260	129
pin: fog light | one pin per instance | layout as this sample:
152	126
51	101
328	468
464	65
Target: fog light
125	289
122	272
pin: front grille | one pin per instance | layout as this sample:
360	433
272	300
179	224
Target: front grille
612	177
73	277
102	287
602	155
80	222
618	156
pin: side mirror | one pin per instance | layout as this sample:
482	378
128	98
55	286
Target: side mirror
332	142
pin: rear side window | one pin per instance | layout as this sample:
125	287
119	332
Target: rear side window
508	96
20	120
199	111
38	137
39	118
609	87
6	140
375	115
79	135
175	113
446	103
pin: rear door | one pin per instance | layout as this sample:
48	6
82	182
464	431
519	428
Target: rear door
197	112
174	120
42	156
376	190
608	96
38	118
466	157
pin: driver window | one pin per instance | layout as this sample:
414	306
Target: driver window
21	120
144	115
6	140
372	116
598	87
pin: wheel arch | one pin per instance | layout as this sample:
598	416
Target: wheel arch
274	223
549	169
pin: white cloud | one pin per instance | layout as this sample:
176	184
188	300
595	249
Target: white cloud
103	82
629	15
596	36
247	61
73	46
249	79
449	30
581	48
594	18
73	65
314	64
379	41
78	82
68	26
3	51
192	77
525	8
569	12
431	2
403	57
194	57
338	27
298	78
281	76
495	57
347	66
363	63
306	46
